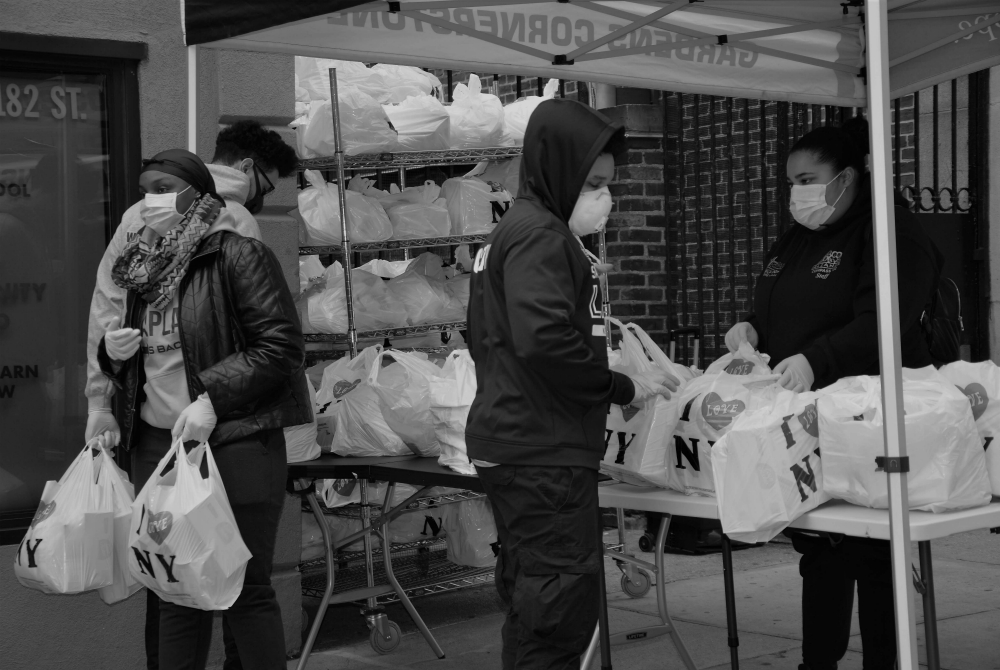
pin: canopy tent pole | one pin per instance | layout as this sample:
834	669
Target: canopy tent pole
192	99
877	35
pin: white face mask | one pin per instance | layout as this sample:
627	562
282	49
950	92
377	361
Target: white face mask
159	211
808	204
591	212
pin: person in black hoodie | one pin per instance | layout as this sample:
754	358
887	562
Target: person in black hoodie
536	427
815	313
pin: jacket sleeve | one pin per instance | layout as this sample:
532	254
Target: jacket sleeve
541	297
107	302
854	348
273	350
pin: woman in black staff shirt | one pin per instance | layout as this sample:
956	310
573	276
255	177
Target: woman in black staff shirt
816	317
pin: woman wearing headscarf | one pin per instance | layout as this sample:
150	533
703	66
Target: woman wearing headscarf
210	349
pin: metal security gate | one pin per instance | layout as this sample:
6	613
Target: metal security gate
727	196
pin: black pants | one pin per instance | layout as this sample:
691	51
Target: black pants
253	471
829	572
550	553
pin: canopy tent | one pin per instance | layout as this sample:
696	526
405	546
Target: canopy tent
799	50
849	53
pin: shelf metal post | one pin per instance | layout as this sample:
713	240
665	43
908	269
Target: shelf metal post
338	144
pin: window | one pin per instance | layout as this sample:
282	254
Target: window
68	141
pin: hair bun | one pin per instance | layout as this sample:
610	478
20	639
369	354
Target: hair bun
856	129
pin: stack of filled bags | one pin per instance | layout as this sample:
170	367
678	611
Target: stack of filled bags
770	455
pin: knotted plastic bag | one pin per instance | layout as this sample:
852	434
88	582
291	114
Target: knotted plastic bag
320	211
422	123
426	217
768	468
517	113
403	390
980	382
364	127
947	462
452	393
470	204
425	298
69	546
186	547
476	117
353	406
638	435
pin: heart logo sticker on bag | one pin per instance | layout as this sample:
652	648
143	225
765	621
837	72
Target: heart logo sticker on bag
978	398
43	513
739	367
629	412
809	420
719	413
159	525
342	388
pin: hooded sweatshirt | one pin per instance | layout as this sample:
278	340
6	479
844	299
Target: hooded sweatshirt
816	296
108	300
536	330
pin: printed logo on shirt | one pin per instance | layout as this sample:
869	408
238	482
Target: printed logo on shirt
830	262
773	268
480	263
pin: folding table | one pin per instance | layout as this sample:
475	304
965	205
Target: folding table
420	472
832	517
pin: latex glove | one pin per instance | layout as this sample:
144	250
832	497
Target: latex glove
740	333
196	422
653	382
796	374
121	343
102	425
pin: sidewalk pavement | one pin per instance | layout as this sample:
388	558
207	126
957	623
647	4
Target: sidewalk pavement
768	593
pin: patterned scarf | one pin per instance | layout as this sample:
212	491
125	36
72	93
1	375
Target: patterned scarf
156	270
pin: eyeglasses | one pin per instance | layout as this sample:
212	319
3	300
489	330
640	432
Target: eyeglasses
258	173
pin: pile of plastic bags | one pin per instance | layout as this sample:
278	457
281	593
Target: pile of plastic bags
394	108
389	403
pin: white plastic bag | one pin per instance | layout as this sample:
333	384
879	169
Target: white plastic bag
768	470
422	123
327	310
476	117
638	435
980	383
364	127
300	441
746	362
452	393
403	390
403	81
122	495
471	532
313	75
320	211
708	405
359	428
470	204
311	272
375	306
517	113
425	298
947	462
69	546
429	218
186	547
459	287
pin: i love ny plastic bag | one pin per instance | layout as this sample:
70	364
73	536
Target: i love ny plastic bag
69	546
185	545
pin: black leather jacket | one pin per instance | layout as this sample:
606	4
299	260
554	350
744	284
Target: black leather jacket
240	337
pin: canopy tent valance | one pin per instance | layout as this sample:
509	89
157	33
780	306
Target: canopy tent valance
799	50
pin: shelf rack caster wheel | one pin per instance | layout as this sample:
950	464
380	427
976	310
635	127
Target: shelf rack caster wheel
385	644
639	587
646	542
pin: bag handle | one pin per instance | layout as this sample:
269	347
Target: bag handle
660	359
